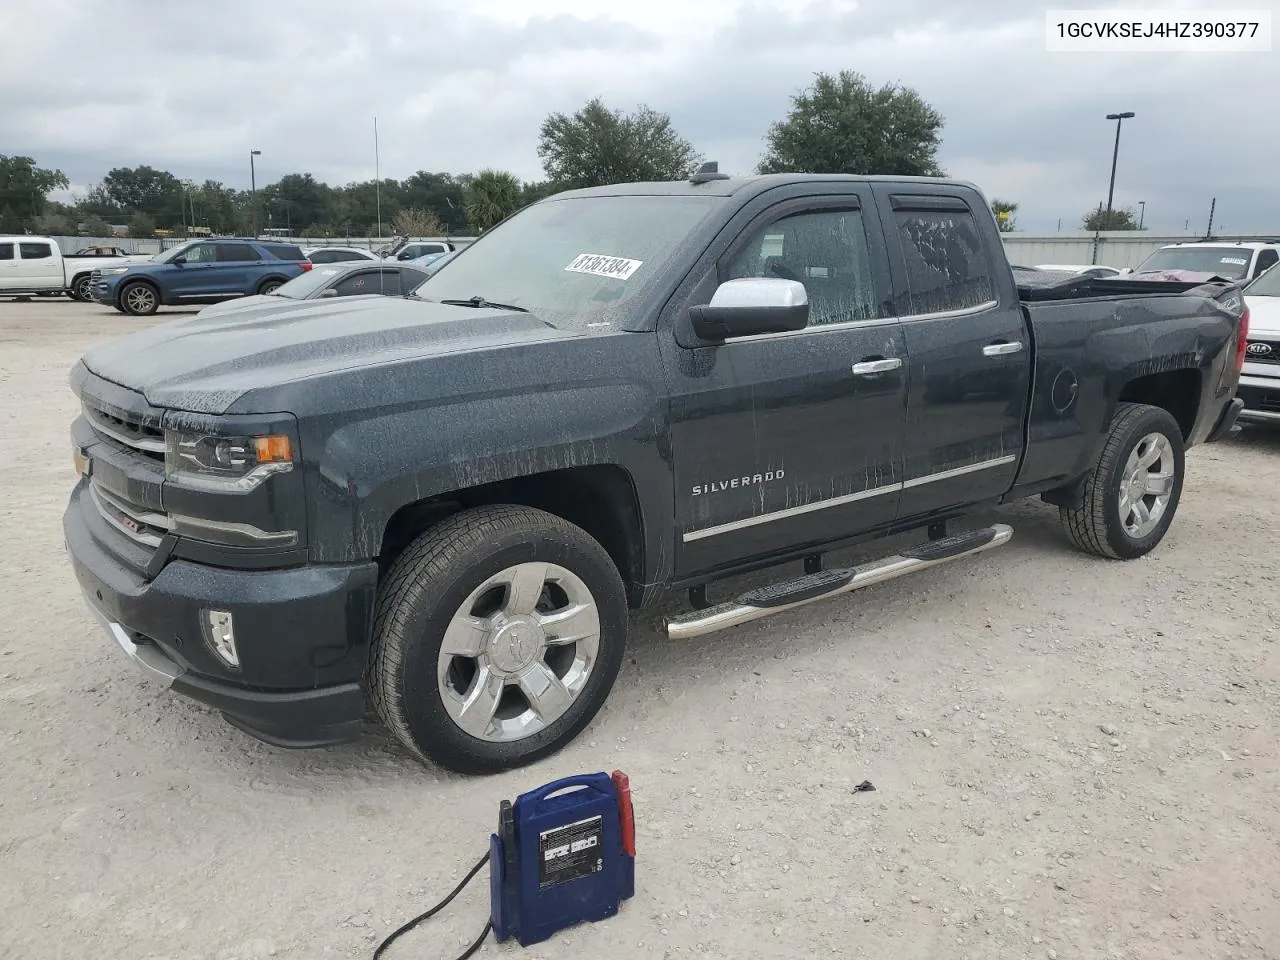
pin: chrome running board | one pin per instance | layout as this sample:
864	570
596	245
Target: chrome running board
789	594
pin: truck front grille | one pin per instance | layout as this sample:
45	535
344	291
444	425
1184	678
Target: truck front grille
145	438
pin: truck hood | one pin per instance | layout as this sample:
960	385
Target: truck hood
1264	315
205	364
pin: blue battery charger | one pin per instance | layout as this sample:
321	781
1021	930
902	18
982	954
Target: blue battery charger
563	854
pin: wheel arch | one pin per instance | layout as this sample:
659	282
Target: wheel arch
599	498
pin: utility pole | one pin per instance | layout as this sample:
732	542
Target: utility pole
253	194
1142	213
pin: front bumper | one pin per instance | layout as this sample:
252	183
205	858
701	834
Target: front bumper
301	633
1261	396
104	290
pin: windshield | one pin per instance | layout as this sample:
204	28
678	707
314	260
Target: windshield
574	262
1267	285
301	286
1229	262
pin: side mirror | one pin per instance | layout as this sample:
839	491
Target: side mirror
178	261
1125	271
331	292
752	305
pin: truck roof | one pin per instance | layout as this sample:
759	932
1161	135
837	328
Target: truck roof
730	186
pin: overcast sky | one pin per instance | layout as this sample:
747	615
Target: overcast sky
192	87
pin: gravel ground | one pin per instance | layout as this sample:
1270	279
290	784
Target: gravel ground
1072	758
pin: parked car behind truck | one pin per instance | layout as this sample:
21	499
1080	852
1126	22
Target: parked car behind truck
446	506
200	272
36	265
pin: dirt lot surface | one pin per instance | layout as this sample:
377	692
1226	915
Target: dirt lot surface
1073	758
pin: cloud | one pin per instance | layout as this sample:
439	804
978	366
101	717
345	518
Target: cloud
192	89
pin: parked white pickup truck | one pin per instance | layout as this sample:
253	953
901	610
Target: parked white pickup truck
36	265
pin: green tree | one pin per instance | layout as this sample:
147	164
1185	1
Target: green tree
96	227
842	124
492	196
53	225
1004	212
141	225
9	222
297	199
97	203
1098	219
598	146
533	192
24	188
439	194
157	193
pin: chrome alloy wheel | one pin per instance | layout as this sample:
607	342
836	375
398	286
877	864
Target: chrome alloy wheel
518	652
1146	486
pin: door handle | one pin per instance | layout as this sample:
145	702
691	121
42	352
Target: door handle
1000	349
868	367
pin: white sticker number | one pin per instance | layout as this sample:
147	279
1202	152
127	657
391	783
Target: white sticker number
615	268
1238	262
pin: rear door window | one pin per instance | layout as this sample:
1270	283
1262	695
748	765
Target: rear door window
35	251
947	268
1266	259
6	251
237	253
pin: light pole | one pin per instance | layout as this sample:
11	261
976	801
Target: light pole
1142	213
1119	118
253	193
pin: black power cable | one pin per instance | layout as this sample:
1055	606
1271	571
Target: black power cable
470	951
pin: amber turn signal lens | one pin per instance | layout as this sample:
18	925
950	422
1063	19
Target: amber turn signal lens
275	449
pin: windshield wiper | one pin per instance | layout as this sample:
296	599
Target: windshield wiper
481	303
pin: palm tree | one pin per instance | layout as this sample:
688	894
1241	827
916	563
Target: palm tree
491	196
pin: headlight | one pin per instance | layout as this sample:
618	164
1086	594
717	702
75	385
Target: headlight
114	271
224	464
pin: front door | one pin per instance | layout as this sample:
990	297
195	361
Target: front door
195	278
790	440
969	348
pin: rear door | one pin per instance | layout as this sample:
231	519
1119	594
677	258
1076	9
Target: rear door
39	267
236	273
967	343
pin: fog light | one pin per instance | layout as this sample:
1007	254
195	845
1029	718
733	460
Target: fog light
221	633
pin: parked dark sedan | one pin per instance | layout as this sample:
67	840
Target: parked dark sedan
347	279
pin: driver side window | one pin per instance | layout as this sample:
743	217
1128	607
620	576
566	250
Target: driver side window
827	252
201	253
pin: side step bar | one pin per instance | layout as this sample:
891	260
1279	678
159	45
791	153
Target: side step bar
789	594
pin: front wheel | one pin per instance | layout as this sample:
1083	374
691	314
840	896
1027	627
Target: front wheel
1132	493
139	299
498	636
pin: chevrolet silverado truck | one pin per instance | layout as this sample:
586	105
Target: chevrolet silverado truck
439	510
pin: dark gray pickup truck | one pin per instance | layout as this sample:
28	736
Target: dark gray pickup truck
444	506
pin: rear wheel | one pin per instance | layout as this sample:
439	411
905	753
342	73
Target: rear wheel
498	636
139	299
269	286
1132	493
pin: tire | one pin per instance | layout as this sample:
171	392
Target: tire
465	566
80	289
139	299
1138	432
269	286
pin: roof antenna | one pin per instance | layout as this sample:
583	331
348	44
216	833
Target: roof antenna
707	172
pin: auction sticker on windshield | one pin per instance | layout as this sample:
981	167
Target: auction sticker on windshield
596	264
